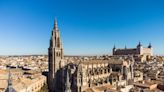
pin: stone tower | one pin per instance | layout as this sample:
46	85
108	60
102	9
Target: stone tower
139	48
149	45
55	59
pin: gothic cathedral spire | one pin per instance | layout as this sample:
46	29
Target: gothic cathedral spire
56	25
55	53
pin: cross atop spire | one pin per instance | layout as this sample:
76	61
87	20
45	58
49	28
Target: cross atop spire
56	24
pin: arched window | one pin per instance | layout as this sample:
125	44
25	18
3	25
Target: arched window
59	54
58	42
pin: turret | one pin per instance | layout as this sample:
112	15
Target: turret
114	49
139	48
139	45
149	45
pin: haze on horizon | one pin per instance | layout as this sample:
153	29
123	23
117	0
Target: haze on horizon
87	27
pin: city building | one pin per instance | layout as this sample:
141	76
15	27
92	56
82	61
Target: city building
86	74
27	82
140	53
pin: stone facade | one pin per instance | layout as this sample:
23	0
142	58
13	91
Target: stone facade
140	53
94	73
55	53
79	76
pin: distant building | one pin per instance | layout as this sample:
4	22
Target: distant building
140	53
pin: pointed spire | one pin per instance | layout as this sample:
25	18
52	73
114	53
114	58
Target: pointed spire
67	85
149	45
68	78
114	47
125	47
139	44
56	24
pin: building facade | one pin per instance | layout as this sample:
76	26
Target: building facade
56	63
140	53
81	76
95	73
9	82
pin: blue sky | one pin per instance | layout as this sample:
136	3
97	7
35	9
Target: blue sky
88	27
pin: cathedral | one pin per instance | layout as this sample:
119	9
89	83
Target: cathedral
85	75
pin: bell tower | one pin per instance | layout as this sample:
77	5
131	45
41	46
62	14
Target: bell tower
55	57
